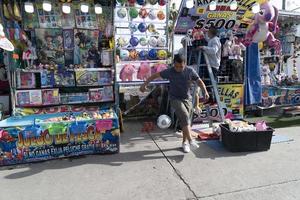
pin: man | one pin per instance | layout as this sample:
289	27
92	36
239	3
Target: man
180	77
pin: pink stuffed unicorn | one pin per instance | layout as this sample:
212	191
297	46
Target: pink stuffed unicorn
127	72
264	27
158	67
144	71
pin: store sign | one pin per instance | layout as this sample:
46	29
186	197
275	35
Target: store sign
278	96
231	96
200	16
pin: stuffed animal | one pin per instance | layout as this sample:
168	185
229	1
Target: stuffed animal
127	72
158	68
264	27
144	71
198	34
265	75
189	37
236	49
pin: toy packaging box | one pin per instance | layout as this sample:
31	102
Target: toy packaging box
64	78
74	98
26	80
47	79
87	78
101	94
52	136
29	98
50	96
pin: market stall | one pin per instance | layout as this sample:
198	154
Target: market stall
62	76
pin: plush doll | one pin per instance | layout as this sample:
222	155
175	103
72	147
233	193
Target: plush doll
127	72
236	49
144	71
265	75
158	68
189	37
264	27
198	34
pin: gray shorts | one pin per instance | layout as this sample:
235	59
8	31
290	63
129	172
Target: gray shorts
182	109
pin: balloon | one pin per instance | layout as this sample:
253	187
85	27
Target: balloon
134	41
141	2
162	54
143	41
152	2
122	12
161	42
152	14
132	27
260	45
133	54
151	28
133	13
164	121
143	55
152	54
143	13
153	42
124	54
161	15
142	27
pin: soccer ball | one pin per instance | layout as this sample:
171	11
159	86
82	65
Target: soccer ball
164	121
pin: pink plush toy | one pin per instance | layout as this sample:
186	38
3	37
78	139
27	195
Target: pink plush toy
264	27
144	71
158	67
198	34
127	72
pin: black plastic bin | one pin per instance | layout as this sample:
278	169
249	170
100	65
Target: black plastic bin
246	141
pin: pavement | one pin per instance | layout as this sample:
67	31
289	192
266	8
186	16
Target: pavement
152	166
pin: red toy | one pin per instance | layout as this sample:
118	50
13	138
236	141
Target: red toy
158	68
144	71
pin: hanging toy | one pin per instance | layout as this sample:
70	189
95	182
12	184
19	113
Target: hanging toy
153	42
264	27
131	2
151	28
122	12
161	15
143	54
134	41
144	71
133	13
152	2
162	54
161	42
143	13
132	27
142	27
159	67
152	54
124	54
133	54
152	14
141	2
143	41
121	42
162	2
189	37
126	73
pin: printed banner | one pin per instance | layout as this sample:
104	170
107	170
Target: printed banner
278	96
200	16
232	98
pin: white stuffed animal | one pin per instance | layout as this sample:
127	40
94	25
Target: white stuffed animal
265	75
189	37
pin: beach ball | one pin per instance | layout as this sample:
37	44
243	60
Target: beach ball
132	27
161	42
134	41
143	13
152	54
153	42
133	13
122	42
152	14
142	27
151	28
141	2
162	2
121	1
122	12
164	121
143	55
124	54
143	41
133	54
131	2
152	2
161	15
162	54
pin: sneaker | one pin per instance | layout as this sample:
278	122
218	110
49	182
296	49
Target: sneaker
186	147
194	144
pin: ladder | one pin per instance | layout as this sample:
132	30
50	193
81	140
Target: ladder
214	86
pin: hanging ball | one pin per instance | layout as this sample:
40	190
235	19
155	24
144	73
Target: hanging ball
131	2
132	27
143	41
162	2
161	42
151	28
161	15
164	121
153	42
162	54
134	41
152	14
133	54
142	27
152	54
122	42
152	2
141	2
143	13
124	54
122	12
133	13
143	55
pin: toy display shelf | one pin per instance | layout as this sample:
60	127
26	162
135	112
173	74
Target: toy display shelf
139	61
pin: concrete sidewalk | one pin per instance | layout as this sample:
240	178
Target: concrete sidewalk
154	167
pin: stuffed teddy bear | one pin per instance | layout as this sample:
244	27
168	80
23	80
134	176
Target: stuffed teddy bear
265	75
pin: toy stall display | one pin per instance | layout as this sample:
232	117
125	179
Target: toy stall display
63	83
141	39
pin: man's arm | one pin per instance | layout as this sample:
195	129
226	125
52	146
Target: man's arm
203	88
151	78
213	49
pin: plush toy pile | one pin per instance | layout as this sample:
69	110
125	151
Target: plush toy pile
243	126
